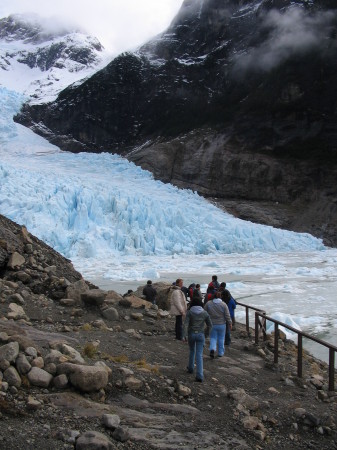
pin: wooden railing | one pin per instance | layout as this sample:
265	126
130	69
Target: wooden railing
260	328
262	324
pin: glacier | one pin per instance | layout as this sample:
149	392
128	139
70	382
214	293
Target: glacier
92	205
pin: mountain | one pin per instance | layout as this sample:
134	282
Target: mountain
39	58
237	100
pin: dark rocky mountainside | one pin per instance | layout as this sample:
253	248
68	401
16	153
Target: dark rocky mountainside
237	100
85	368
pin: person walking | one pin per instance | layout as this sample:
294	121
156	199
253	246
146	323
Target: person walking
178	307
150	292
219	314
194	328
231	304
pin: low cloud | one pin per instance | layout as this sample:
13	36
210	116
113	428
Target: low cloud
294	32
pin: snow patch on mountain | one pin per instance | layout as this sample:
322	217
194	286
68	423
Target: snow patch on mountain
39	64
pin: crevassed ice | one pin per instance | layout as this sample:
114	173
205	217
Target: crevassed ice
95	205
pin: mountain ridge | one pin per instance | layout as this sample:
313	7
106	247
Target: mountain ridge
39	59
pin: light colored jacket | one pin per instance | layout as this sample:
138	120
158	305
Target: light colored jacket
178	302
218	311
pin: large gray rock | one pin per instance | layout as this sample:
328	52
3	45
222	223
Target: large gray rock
15	260
111	421
68	351
163	294
16	298
39	377
16	312
85	378
110	314
55	357
75	290
12	377
22	364
93	440
9	351
61	381
93	297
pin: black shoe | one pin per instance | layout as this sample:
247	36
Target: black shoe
220	356
211	353
199	380
188	370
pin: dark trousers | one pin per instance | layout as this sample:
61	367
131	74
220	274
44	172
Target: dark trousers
179	327
228	336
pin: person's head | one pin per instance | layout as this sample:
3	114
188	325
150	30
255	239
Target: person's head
223	285
197	302
214	278
149	282
218	294
197	286
179	282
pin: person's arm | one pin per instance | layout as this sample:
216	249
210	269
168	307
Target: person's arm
183	305
233	303
209	325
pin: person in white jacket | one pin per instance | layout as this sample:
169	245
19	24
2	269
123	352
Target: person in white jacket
178	307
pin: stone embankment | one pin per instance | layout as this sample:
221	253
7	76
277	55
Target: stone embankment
85	368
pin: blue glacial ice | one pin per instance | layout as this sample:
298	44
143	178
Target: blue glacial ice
95	205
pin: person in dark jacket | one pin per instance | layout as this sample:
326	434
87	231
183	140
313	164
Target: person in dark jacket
150	292
231	304
194	328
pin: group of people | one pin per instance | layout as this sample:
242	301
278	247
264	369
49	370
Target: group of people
211	316
198	317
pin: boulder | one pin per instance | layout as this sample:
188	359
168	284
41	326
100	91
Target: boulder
72	354
85	378
15	260
93	440
12	377
22	364
112	297
16	312
55	357
9	351
25	235
61	381
111	421
39	377
75	290
163	294
93	297
16	298
110	314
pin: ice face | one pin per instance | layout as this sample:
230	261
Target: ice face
93	205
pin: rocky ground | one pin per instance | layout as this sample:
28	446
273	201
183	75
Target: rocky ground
85	368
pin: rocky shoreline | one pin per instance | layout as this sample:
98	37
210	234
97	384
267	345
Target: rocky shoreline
85	368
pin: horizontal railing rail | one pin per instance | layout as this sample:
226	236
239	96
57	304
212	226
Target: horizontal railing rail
260	325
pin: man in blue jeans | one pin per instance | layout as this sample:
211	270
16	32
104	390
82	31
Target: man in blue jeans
194	327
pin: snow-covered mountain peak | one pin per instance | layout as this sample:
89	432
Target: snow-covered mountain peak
39	58
30	28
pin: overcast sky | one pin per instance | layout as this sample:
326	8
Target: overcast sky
119	24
